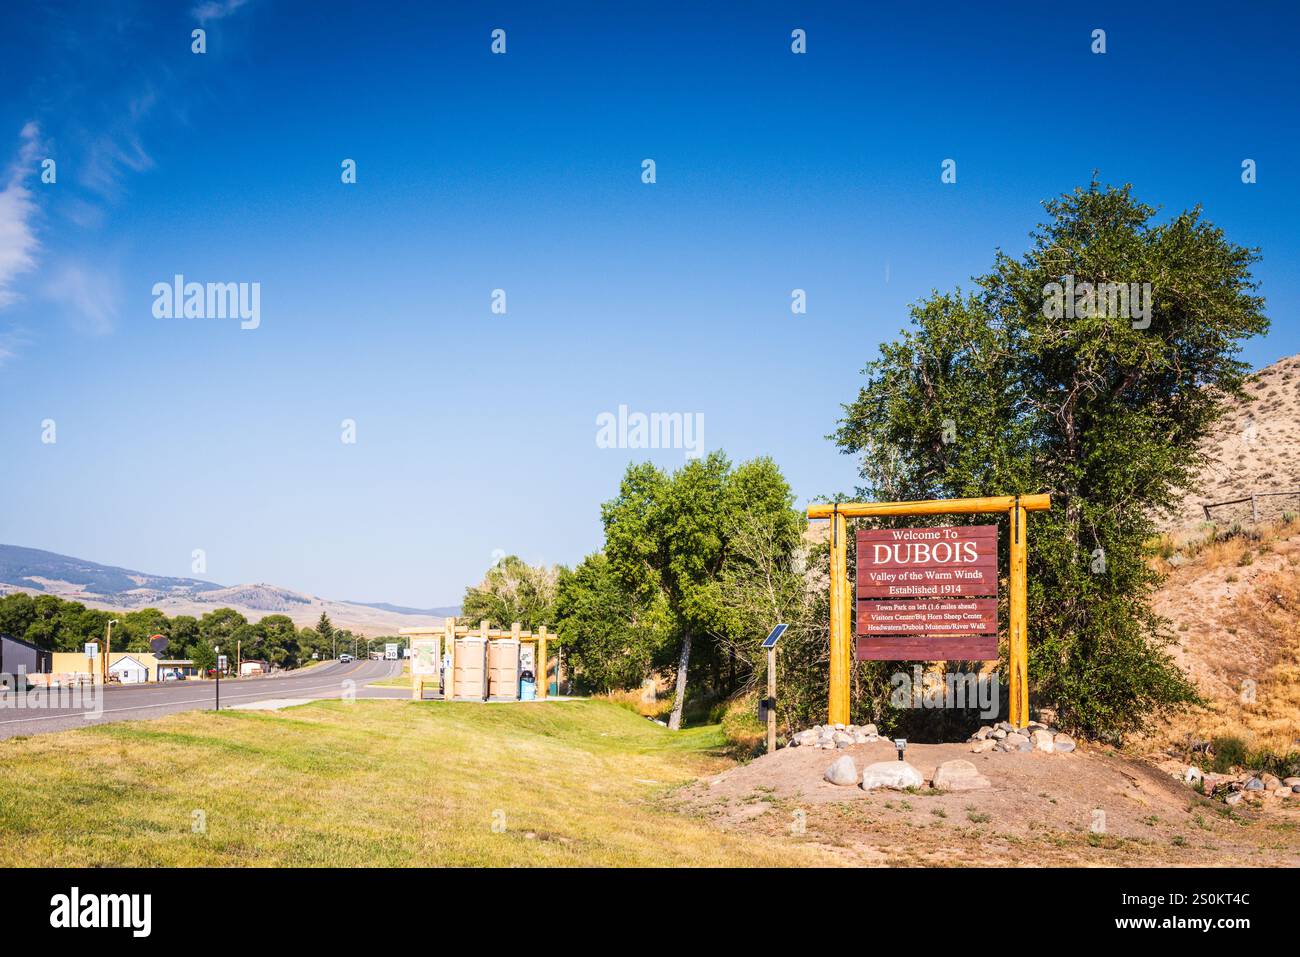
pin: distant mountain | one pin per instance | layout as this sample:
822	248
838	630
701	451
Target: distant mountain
446	611
107	586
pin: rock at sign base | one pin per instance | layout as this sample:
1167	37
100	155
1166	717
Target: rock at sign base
1254	784
1064	743
1291	782
841	739
805	738
870	730
842	772
1236	797
1014	740
898	775
1282	792
959	775
984	744
1042	739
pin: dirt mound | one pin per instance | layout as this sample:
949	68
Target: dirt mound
1041	809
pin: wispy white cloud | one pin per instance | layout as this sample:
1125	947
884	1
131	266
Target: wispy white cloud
215	9
118	150
91	295
18	242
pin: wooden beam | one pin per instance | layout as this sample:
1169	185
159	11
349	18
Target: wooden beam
540	664
952	506
1017	630
838	704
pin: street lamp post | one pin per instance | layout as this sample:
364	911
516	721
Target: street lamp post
217	671
108	650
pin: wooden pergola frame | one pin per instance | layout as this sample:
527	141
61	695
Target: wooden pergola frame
450	631
1015	507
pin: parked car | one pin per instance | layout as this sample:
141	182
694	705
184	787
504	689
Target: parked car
171	674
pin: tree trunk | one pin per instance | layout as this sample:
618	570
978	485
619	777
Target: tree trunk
683	663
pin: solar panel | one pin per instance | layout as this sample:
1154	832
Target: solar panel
771	640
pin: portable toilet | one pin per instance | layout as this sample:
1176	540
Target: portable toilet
471	668
503	669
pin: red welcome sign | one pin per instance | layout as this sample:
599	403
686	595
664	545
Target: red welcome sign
916	593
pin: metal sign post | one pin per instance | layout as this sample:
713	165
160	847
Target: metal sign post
770	702
220	658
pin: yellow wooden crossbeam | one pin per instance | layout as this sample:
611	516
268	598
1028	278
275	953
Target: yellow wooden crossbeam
951	506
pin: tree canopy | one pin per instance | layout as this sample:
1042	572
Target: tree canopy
1001	391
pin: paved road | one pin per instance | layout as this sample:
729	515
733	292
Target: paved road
131	702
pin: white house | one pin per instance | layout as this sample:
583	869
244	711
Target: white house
129	671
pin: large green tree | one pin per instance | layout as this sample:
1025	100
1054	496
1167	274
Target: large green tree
613	639
668	535
513	591
1001	390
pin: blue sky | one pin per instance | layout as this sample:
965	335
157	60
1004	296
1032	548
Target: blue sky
476	431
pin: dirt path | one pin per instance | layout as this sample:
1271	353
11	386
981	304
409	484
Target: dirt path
1040	811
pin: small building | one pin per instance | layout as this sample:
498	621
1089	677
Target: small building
21	657
129	671
76	667
176	666
253	666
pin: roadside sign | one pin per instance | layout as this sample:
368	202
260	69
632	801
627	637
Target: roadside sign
916	593
92	649
426	656
221	662
390	651
771	640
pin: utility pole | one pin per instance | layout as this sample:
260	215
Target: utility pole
217	671
108	650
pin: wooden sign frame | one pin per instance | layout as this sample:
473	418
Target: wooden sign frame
1015	507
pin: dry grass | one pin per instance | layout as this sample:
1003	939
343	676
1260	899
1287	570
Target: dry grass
380	783
1233	597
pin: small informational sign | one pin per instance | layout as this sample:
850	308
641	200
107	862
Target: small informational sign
221	662
426	656
917	591
390	652
92	649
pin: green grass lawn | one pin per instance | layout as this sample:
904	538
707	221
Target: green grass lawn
385	783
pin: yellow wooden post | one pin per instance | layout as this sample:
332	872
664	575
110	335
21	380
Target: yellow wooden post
1017	631
540	664
838	705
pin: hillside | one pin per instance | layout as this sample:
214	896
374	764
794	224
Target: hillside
109	587
1255	448
1232	590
